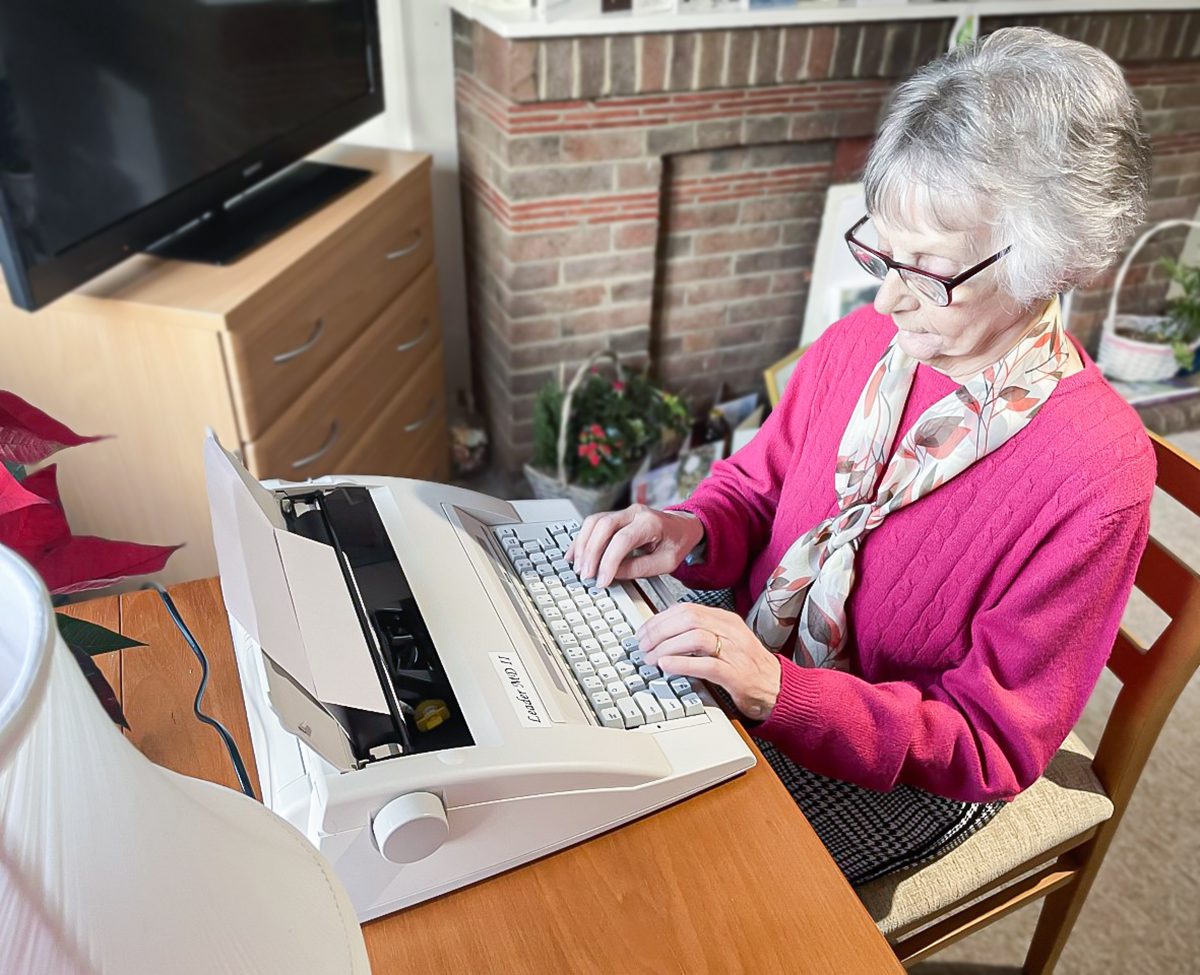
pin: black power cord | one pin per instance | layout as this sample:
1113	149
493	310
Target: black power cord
235	756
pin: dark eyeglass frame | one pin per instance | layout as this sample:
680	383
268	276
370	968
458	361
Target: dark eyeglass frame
948	283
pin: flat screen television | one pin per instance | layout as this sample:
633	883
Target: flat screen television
122	121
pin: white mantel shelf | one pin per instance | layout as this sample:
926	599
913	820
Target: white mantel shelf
517	24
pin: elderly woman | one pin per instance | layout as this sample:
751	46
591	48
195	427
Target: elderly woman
933	537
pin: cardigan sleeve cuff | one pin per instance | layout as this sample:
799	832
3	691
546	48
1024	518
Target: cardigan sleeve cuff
796	707
697	576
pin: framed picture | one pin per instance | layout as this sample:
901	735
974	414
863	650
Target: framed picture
777	375
838	284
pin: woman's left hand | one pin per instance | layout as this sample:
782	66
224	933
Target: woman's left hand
717	646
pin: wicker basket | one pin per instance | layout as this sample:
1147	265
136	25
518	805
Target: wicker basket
585	499
1128	359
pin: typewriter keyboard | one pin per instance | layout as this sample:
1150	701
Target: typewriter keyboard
593	629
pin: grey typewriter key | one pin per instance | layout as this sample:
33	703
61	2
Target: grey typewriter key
681	686
545	569
692	704
649	672
628	642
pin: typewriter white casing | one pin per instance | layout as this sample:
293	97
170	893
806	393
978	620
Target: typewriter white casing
541	773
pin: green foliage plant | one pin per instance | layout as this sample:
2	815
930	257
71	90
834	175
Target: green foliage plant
613	424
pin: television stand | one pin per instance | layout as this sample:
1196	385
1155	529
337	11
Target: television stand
254	217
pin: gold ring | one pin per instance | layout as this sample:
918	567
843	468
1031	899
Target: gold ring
717	652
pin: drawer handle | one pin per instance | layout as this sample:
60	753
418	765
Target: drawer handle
334	430
299	350
405	251
417	424
413	343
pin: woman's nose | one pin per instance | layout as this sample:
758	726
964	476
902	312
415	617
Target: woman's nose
893	295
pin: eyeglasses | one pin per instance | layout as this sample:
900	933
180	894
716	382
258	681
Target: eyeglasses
934	287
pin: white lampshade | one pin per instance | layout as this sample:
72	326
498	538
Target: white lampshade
111	864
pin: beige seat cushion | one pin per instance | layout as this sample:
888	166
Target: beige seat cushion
1063	803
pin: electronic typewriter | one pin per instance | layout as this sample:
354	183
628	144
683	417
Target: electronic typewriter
433	697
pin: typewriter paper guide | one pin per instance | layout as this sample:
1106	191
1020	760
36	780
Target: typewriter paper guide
286	590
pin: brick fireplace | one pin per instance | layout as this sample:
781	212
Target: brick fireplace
661	194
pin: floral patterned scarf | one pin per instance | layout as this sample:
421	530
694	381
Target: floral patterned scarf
807	592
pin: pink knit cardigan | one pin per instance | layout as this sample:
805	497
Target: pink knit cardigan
982	615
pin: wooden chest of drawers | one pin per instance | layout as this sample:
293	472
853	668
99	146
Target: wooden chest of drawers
320	352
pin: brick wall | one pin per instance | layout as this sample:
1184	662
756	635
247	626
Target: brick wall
661	194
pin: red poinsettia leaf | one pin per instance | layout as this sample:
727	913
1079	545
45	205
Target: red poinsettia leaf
28	523
44	484
86	562
27	435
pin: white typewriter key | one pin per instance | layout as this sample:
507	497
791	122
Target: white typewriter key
601	699
617	689
625	631
566	576
595	591
552	614
692	704
566	640
574	654
582	599
541	598
573	617
650	707
530	577
649	671
607	672
604	604
553	552
523	565
624	668
630	712
537	587
560	564
583	668
681	686
610	644
635	683
611	718
614	617
545	569
598	660
590	613
581	631
590	684
575	588
558	626
562	541
671	708
613	653
533	545
537	558
590	645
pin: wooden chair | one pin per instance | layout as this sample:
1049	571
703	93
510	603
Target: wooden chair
908	906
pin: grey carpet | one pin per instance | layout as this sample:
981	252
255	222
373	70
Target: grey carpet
1142	917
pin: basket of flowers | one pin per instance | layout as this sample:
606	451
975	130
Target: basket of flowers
1149	348
589	438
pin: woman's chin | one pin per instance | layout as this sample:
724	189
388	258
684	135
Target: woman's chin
922	346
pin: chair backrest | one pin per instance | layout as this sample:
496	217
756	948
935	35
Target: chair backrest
1153	677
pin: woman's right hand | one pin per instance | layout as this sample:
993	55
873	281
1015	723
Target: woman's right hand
633	543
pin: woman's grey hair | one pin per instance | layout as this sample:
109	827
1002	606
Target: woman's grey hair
1032	135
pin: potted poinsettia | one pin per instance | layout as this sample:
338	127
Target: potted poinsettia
590	438
33	523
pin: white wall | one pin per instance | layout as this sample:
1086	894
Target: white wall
418	88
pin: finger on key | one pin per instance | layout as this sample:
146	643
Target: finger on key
577	544
580	546
674	621
606	526
689	644
619	547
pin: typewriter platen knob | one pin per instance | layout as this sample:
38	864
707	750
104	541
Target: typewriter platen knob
410	827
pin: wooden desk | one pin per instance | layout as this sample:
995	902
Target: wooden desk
732	880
